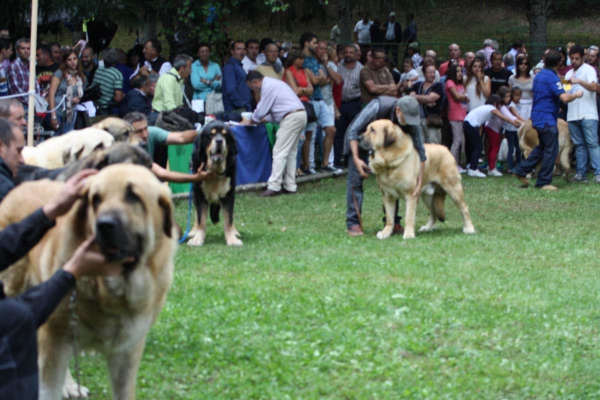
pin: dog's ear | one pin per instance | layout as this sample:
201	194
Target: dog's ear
72	152
389	138
79	223
166	205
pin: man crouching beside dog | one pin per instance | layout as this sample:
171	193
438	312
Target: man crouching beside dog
22	315
403	112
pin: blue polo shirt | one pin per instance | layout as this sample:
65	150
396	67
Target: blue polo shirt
312	64
546	91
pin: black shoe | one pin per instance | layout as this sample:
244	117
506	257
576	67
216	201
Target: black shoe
285	191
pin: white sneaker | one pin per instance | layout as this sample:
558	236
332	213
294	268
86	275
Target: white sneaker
475	173
494	172
461	170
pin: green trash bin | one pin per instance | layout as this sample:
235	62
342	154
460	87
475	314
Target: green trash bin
179	161
271	132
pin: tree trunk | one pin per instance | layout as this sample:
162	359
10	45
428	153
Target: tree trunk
345	20
538	13
149	30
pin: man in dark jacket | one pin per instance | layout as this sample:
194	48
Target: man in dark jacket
22	315
392	32
138	99
12	142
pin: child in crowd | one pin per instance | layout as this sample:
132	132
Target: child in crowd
457	109
474	120
493	129
512	110
409	76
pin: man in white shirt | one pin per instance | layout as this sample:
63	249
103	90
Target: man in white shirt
582	115
279	104
249	63
362	30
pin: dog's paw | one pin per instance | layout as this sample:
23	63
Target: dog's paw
408	234
197	240
234	241
427	228
384	234
469	230
70	391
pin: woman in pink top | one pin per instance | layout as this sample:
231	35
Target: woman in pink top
457	109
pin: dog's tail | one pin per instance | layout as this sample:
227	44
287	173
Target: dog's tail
438	205
214	212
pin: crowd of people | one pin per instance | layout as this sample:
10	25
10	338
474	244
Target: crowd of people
469	102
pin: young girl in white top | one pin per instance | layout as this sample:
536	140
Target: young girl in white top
472	126
409	75
512	110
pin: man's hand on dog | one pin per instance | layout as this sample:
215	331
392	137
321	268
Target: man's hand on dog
202	175
362	168
86	261
62	203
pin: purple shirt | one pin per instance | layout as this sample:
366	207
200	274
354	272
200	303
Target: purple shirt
18	80
276	100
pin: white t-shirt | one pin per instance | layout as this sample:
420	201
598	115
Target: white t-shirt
471	91
480	115
248	64
364	32
412	74
585	107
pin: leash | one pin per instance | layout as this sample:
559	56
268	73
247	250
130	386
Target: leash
73	320
189	216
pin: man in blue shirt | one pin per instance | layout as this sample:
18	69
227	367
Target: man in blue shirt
236	94
547	94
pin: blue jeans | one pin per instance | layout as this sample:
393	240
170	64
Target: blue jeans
513	147
584	135
546	151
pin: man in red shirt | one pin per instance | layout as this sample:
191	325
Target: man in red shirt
453	56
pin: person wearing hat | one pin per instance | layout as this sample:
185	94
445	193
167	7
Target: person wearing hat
393	35
405	113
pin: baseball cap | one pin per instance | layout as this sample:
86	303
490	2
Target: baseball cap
392	14
410	108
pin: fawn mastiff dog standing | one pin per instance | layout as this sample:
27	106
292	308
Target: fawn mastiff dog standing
131	215
396	165
529	139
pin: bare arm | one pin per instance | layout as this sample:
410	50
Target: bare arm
178	177
335	77
427	98
391	90
457	96
119	96
591	86
516	114
486	86
289	79
498	114
54	83
315	79
182	137
361	166
568	97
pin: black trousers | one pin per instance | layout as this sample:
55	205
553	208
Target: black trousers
348	110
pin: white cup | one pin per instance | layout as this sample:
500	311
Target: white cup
246	116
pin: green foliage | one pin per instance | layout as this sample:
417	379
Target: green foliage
303	311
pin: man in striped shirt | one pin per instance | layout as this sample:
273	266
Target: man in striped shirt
110	80
349	69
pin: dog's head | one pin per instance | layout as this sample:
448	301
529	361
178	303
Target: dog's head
379	134
216	148
128	210
119	129
120	153
82	143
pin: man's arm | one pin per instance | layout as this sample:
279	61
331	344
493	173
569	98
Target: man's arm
316	80
336	78
179	177
591	86
390	90
184	137
568	97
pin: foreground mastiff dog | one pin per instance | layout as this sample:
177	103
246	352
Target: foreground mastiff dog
131	214
396	164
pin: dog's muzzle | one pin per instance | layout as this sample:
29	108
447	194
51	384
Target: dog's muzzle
218	149
115	241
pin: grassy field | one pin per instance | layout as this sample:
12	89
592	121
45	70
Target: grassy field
304	312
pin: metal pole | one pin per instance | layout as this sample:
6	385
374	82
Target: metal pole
32	76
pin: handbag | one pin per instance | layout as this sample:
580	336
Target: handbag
434	121
214	103
311	116
92	93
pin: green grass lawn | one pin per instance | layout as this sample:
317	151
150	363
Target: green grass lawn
302	311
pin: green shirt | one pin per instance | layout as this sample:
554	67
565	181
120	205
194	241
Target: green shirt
156	136
109	79
169	92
